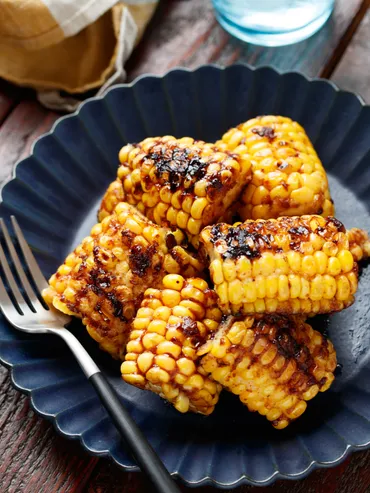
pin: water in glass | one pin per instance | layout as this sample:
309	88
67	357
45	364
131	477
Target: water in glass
273	22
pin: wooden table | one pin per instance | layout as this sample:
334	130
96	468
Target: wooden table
33	458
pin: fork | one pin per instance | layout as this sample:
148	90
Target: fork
31	316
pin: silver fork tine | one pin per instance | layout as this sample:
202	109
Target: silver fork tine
35	271
6	304
18	266
11	281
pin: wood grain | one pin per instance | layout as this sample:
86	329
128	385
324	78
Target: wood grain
189	35
33	458
353	71
26	122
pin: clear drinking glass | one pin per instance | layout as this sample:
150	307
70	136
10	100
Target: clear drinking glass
272	22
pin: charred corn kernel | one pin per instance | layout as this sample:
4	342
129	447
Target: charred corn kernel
266	248
166	348
288	178
195	181
277	364
359	243
103	280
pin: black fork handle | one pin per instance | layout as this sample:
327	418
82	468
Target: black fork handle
142	451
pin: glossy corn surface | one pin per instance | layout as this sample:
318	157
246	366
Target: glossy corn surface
104	279
275	364
359	243
287	265
178	182
162	351
288	178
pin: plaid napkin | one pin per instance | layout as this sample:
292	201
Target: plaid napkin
69	45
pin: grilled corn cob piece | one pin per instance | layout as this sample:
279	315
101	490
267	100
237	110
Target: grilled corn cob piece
161	353
288	177
359	244
287	265
273	363
113	196
178	182
104	279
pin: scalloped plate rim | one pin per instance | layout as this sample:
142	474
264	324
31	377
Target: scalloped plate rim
53	418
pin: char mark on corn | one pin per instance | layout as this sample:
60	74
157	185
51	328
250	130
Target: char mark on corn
104	279
178	182
288	178
171	324
359	244
288	265
275	364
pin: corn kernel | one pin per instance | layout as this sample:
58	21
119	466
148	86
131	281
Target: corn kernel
229	270
151	340
173	281
157	326
186	366
165	362
145	361
157	375
334	266
128	367
343	288
168	347
160	313
182	403
294	260
346	260
171	297
134	379
243	267
309	265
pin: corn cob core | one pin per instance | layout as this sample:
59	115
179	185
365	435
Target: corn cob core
286	265
273	363
359	244
161	353
179	182
104	279
288	178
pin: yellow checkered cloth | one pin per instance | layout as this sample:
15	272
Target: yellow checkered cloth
69	45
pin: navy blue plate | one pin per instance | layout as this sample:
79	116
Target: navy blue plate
55	195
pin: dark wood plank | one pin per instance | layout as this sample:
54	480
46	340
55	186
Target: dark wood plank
33	458
26	122
353	71
187	34
31	453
